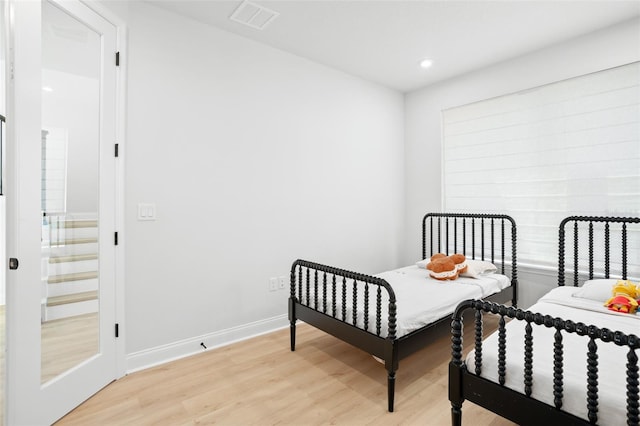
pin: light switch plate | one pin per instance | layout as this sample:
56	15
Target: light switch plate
146	211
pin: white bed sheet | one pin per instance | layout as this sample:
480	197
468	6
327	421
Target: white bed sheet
420	299
560	302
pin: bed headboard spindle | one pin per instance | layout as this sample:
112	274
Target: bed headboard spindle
455	229
608	236
493	231
473	238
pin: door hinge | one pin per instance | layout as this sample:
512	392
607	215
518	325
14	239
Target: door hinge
13	263
115	238
117	59
117	330
116	150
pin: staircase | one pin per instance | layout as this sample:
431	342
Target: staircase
69	265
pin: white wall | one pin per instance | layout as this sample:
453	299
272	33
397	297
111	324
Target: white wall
604	49
254	157
79	94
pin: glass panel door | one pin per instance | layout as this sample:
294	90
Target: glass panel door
60	191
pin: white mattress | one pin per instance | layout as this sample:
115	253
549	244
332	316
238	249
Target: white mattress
420	299
560	302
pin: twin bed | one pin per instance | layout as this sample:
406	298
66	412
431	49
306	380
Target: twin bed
395	313
567	360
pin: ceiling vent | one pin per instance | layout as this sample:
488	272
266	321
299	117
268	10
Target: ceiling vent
253	15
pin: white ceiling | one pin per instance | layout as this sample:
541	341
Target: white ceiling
384	41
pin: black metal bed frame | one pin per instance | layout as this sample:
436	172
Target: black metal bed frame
522	408
312	284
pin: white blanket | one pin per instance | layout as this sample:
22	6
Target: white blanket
560	302
420	299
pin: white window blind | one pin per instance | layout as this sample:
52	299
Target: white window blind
567	148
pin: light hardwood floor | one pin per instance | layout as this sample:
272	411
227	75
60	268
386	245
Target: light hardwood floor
261	382
67	342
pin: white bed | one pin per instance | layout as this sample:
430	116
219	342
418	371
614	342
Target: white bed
563	302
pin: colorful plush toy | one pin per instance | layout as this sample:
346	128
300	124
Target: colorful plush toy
625	297
443	267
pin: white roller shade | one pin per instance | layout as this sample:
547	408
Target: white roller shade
567	148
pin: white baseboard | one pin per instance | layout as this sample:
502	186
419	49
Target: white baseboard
162	354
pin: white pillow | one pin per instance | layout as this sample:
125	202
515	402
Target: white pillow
478	268
423	263
598	290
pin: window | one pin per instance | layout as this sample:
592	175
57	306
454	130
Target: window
567	148
53	198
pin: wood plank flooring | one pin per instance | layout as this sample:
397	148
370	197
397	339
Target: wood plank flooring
67	342
261	382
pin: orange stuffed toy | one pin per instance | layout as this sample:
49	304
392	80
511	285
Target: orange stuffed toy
445	267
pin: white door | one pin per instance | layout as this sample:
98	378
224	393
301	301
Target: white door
60	193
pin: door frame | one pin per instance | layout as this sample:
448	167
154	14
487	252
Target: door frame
24	123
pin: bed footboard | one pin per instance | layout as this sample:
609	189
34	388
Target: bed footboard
357	308
521	408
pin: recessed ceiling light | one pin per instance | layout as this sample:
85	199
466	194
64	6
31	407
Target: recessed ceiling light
426	63
47	89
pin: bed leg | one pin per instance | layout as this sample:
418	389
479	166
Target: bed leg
456	414
391	387
292	322
391	364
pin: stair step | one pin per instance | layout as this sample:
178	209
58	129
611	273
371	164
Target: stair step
70	287
60	234
73	241
50	313
64	268
79	223
72	298
73	258
69	250
76	276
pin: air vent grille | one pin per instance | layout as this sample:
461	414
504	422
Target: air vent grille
253	15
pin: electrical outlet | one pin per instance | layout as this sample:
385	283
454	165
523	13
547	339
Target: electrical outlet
282	282
273	284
